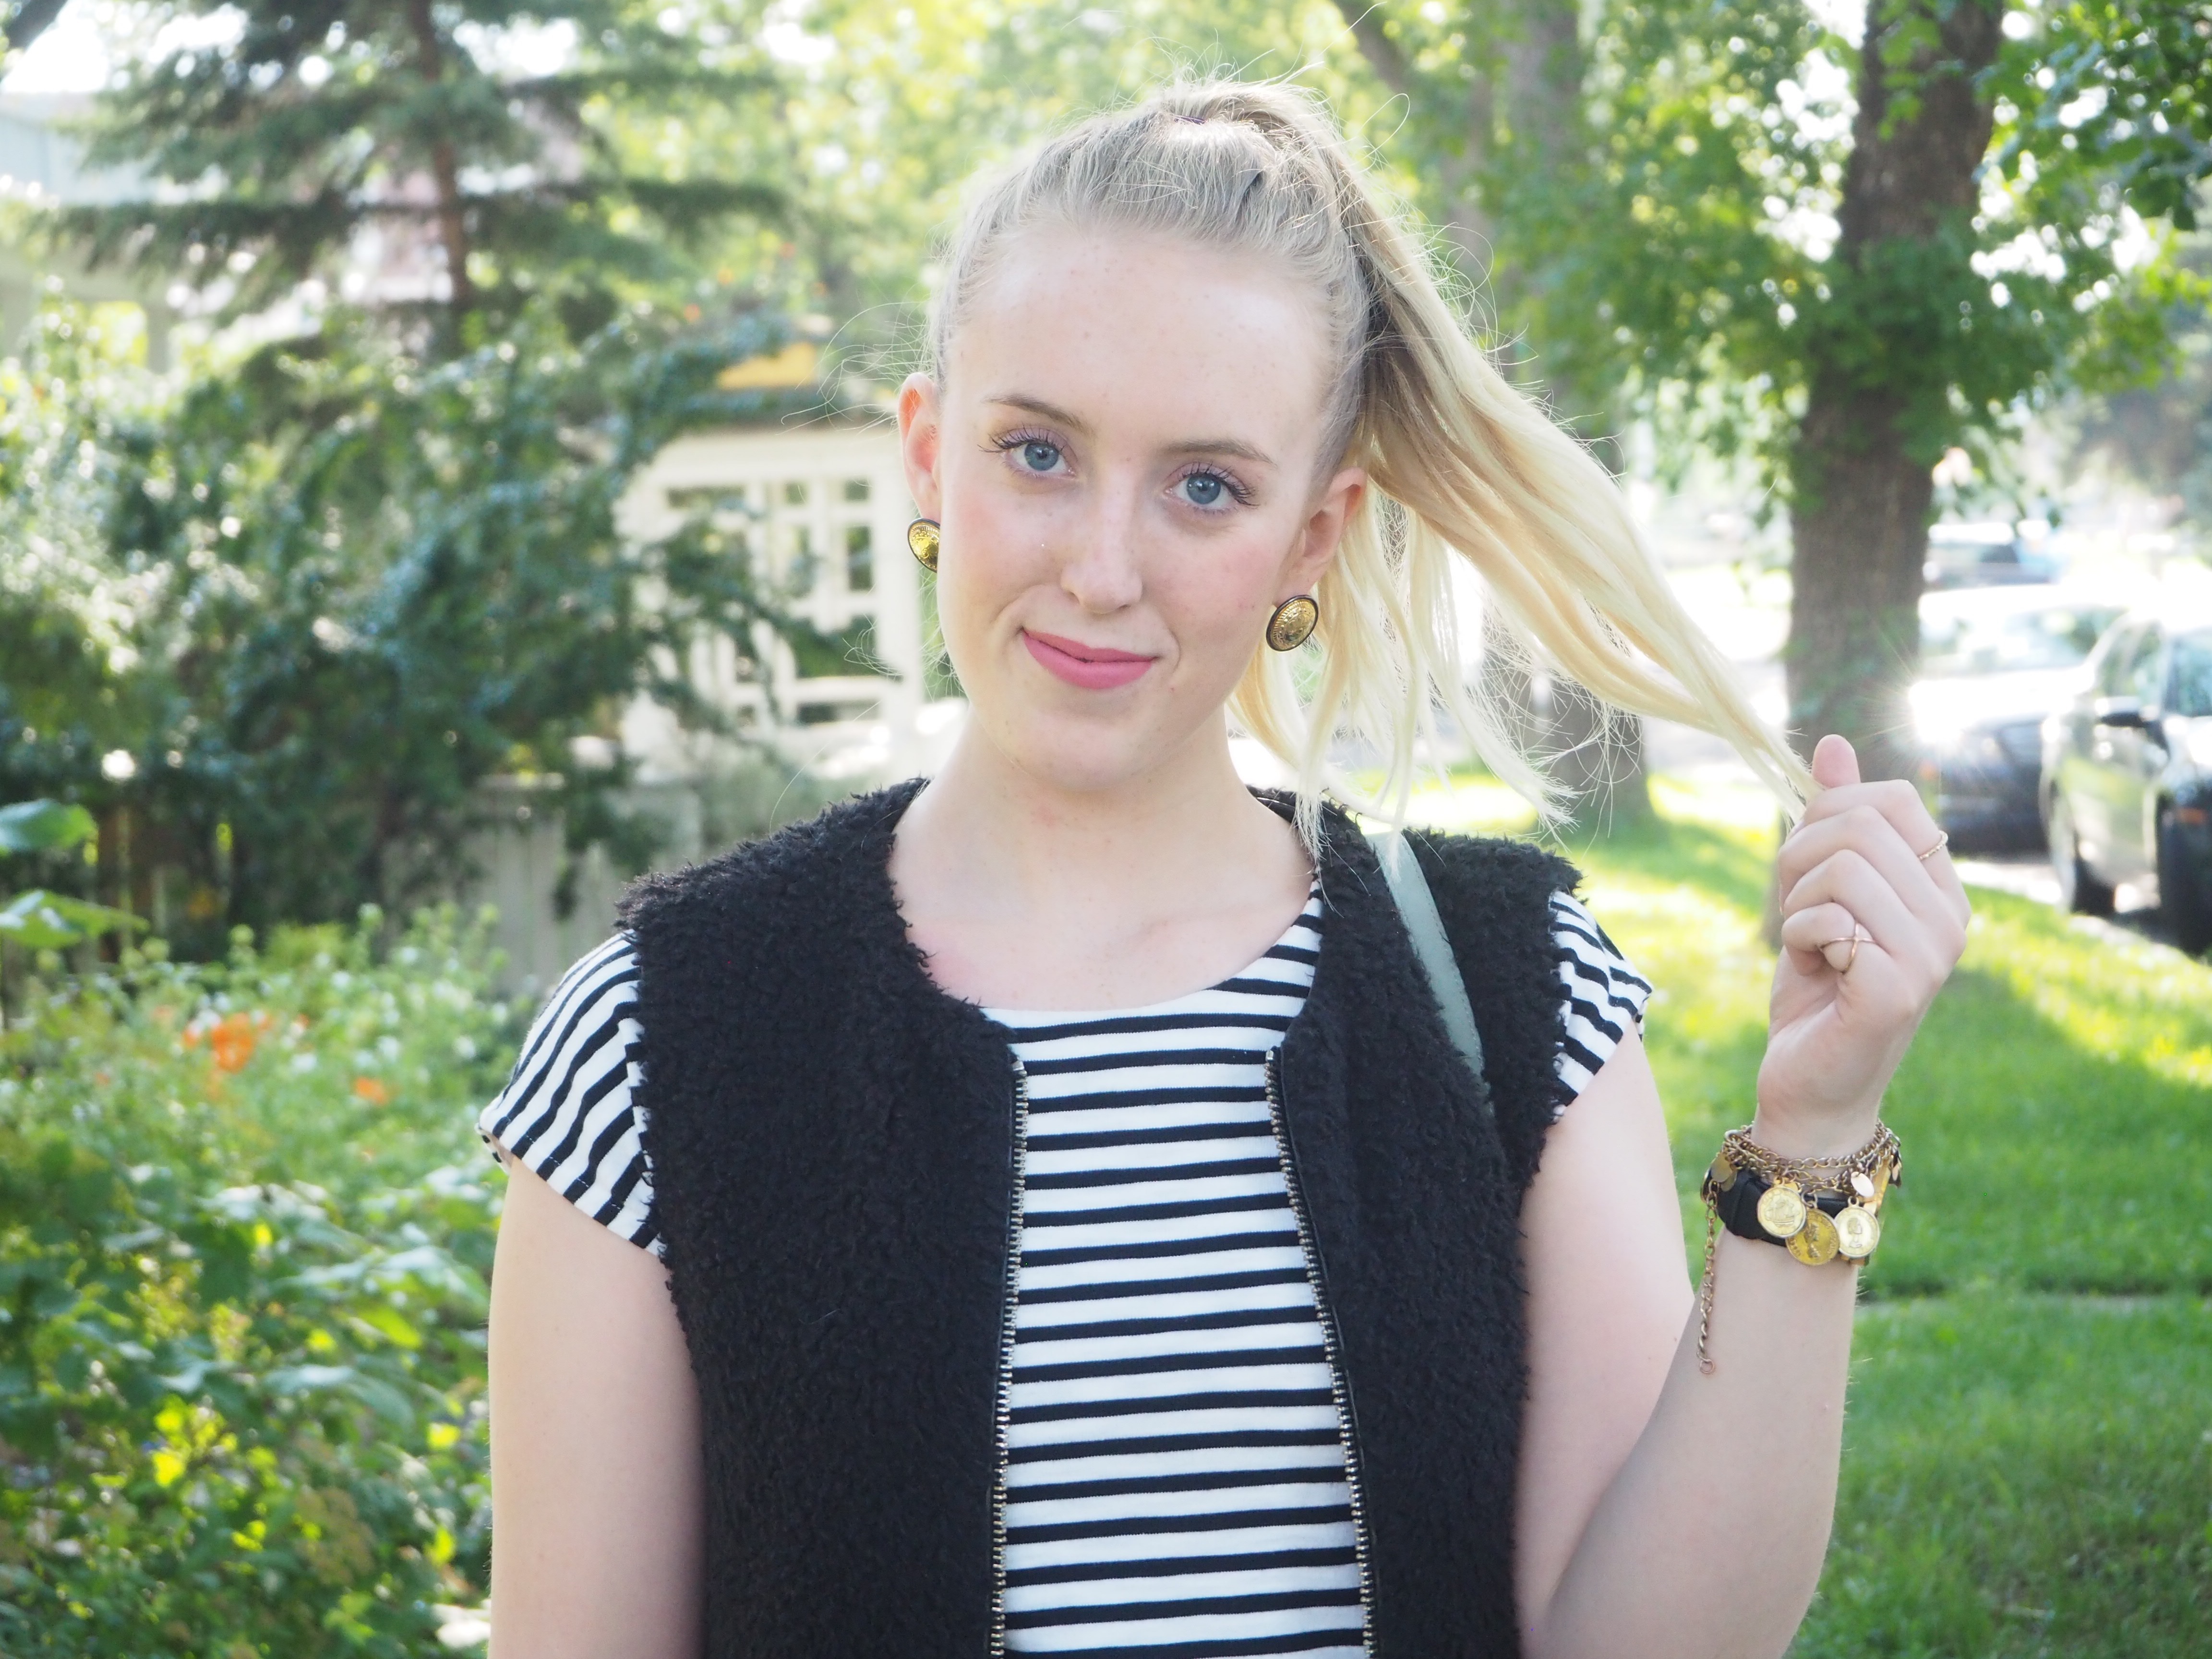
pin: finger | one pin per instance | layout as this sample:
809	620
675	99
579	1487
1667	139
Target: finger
1835	763
1849	880
1900	802
1819	934
1866	831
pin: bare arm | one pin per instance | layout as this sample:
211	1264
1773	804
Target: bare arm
1607	1297
1665	1511
595	1473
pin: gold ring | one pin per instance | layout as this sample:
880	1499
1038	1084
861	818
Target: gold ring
1942	840
1859	936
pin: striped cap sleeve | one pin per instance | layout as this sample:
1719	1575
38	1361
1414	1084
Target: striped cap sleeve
569	1112
1603	995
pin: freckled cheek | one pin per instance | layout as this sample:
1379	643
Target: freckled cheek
995	551
1215	596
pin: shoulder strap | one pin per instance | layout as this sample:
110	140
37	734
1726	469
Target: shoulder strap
1416	907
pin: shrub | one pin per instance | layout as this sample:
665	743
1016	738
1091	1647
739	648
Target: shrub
244	1237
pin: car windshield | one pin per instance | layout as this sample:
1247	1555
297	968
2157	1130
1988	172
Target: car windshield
2192	674
2055	637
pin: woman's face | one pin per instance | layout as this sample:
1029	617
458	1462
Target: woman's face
1124	463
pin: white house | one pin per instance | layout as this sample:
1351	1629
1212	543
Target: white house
821	510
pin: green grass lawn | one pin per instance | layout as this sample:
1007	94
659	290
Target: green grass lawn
2029	1452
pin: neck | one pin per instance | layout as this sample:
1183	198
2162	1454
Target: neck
993	842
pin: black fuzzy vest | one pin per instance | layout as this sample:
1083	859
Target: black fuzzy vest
831	1139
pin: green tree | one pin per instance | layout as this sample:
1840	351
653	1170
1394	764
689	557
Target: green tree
303	606
2160	435
342	585
472	131
879	116
1502	150
1839	257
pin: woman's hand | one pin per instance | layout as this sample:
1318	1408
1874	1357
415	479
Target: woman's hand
1843	1013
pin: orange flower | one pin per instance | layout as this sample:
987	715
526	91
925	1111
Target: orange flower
232	1041
371	1090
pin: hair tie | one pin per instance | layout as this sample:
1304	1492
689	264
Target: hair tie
1195	120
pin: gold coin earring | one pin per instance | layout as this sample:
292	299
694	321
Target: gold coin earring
1293	622
923	540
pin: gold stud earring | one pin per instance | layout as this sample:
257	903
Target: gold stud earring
923	540
1293	622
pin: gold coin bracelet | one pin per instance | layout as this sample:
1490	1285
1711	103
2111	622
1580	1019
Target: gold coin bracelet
1819	1209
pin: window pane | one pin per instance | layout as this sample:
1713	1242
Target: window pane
859	559
2192	675
2143	672
2113	671
856	490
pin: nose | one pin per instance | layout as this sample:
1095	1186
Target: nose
1100	570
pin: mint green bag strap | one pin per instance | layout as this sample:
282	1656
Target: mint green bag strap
1417	907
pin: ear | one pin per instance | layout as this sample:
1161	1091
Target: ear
921	442
1323	530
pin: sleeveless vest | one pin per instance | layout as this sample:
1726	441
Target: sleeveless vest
833	1142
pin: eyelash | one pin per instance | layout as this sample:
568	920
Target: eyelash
1234	489
1006	443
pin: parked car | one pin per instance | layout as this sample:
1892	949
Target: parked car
2128	773
1983	554
1995	662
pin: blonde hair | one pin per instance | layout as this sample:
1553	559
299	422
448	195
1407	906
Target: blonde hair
1460	462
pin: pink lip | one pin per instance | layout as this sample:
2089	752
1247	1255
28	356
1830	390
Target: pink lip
1092	667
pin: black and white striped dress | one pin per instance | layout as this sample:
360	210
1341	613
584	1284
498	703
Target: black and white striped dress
1175	1480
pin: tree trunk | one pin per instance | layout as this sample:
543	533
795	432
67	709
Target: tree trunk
1469	229
1860	465
1543	51
1598	765
1600	755
444	172
1594	757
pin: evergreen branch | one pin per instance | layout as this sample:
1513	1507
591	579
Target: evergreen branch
286	240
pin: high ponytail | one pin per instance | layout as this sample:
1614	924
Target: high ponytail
1460	464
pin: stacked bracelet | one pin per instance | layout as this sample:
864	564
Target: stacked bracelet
1817	1208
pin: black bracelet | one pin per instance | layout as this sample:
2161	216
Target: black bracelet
1739	1206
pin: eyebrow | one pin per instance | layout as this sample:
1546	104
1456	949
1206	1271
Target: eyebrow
1053	412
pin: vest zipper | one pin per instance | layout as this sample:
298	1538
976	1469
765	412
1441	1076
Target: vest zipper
1332	1351
1005	1405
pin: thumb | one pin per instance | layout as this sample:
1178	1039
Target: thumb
1835	763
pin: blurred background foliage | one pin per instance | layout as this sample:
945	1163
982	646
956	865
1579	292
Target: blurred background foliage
1774	236
315	600
244	1231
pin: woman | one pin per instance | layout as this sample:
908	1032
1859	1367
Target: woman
1045	1211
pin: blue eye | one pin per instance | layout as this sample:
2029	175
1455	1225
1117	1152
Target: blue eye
1202	489
1039	456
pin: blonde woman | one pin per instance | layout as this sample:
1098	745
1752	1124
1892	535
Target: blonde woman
1056	1208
